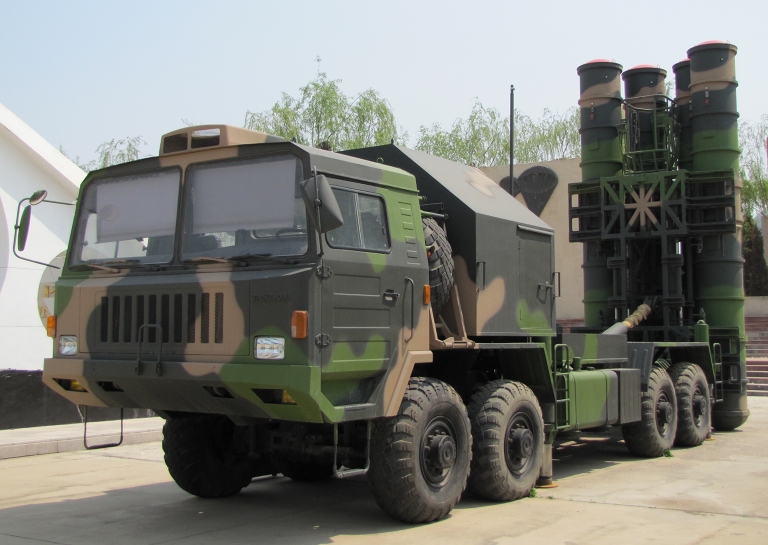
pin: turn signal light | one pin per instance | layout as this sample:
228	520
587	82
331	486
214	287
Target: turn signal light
299	320
50	326
427	294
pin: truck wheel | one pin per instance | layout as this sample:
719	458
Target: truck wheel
655	433
508	441
420	457
207	455
440	263
693	409
308	470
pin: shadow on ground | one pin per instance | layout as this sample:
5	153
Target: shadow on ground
274	510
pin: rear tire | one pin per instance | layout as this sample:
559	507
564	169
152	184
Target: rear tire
655	433
207	456
440	263
508	441
693	407
420	458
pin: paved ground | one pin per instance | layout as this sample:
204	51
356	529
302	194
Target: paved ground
69	437
711	494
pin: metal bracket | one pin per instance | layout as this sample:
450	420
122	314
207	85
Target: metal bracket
323	271
323	340
85	432
158	363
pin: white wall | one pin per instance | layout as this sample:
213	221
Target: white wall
22	171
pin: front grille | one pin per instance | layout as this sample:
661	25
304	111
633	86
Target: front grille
177	315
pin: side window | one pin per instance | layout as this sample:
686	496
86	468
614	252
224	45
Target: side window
365	222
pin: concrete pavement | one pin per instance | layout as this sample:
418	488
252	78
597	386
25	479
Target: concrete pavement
711	494
68	437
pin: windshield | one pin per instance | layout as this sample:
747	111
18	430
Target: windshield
128	219
246	207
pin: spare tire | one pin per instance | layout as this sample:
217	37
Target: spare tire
440	263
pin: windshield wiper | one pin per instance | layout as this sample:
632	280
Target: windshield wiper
132	262
207	260
264	257
98	267
241	259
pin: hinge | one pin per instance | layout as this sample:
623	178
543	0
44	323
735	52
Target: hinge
323	340
323	271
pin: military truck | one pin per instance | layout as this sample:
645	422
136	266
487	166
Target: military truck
386	312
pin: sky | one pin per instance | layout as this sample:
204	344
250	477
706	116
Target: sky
84	72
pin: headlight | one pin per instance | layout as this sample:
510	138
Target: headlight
269	348
67	345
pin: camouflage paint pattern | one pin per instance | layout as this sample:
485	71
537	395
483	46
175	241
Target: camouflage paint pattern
720	280
223	376
503	253
714	114
682	72
640	84
706	91
600	111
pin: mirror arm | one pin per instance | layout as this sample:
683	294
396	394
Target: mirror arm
15	234
317	204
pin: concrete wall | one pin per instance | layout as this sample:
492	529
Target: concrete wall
763	225
756	307
568	257
28	163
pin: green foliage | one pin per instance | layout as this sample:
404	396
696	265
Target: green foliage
554	136
532	493
754	174
112	152
323	113
755	268
668	454
115	152
483	138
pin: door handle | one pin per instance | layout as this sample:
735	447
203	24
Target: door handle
390	295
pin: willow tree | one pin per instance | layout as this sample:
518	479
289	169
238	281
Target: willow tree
483	138
322	115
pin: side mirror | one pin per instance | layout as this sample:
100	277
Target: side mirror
23	227
321	203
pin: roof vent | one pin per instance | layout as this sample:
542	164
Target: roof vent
202	137
175	143
205	138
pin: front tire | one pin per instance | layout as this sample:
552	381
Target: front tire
420	458
508	441
655	433
207	456
693	408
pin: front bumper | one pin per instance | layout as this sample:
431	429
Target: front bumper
194	387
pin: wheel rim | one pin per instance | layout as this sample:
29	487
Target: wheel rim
438	452
700	407
519	443
664	414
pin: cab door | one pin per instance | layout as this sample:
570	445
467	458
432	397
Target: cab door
363	289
